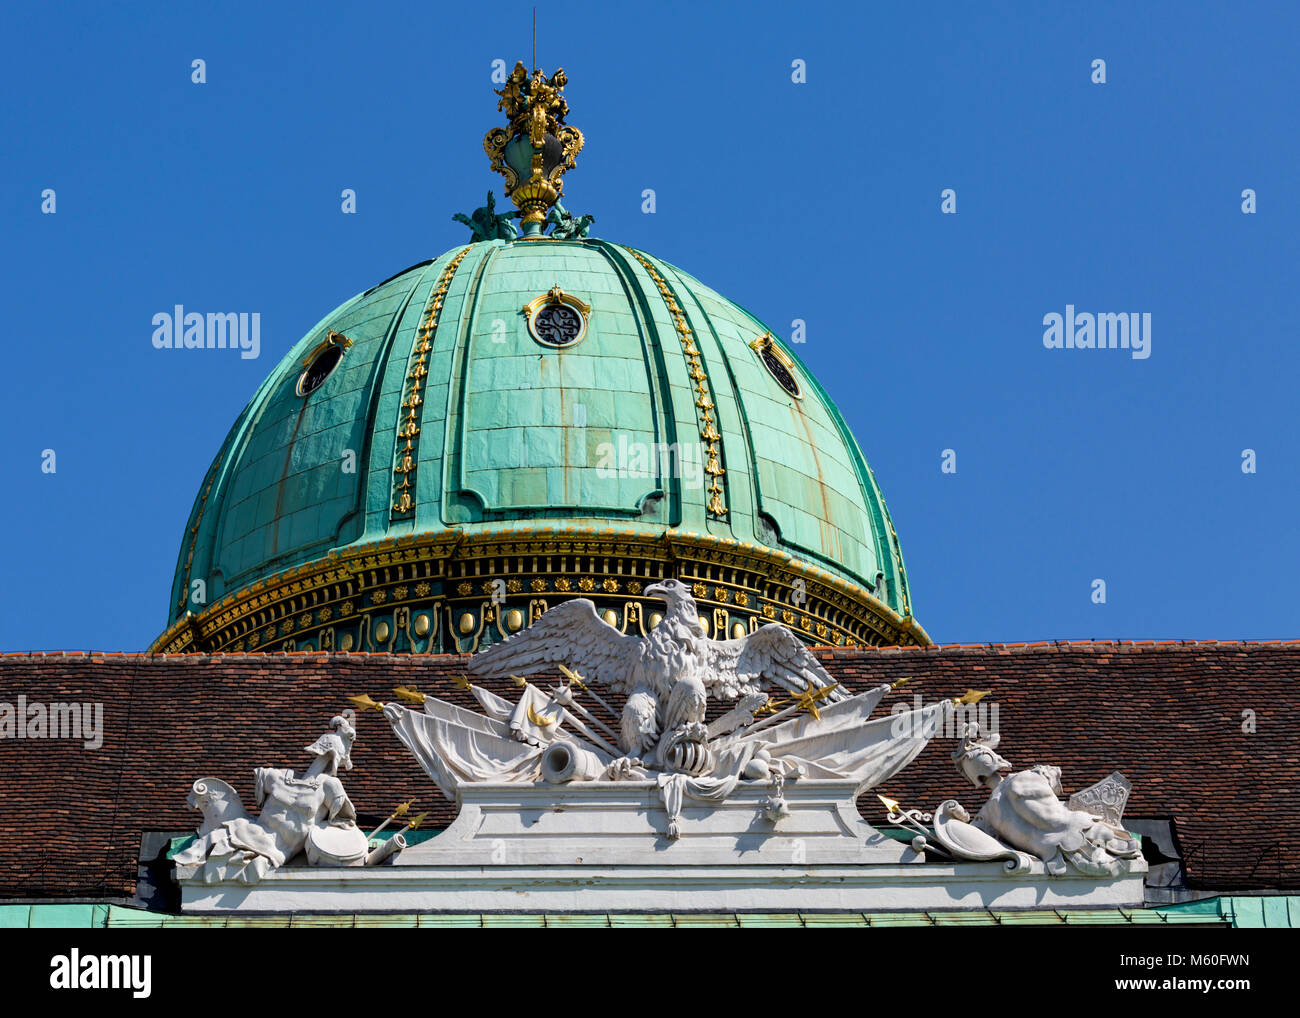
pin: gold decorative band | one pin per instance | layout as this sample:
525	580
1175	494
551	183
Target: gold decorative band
406	456
447	591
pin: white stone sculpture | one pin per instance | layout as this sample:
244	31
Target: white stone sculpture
667	676
955	832
566	803
976	757
660	736
309	814
1106	799
1025	814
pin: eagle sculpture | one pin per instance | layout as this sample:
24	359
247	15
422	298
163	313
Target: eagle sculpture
667	676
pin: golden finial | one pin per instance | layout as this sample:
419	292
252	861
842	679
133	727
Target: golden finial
417	821
537	148
892	805
364	703
519	681
462	682
900	682
402	808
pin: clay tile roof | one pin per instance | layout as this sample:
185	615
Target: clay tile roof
1169	715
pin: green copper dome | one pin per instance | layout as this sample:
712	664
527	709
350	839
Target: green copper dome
516	422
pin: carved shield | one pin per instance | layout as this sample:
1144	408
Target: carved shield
1106	799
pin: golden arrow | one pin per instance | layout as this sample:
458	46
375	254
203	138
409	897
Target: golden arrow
364	703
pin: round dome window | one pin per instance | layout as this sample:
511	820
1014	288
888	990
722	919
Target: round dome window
558	325
557	319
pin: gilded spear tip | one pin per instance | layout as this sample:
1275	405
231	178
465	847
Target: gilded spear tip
519	681
417	821
809	697
971	696
409	695
893	805
900	682
770	707
462	682
364	703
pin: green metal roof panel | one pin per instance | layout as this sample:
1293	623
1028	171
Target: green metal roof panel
1281	912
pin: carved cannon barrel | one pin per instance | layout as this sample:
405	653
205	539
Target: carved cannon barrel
564	761
391	847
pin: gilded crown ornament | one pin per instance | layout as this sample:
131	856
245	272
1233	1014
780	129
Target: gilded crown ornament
537	148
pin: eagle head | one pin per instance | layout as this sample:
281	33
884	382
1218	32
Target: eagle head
677	596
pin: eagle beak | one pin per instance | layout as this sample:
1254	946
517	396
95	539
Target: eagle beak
656	589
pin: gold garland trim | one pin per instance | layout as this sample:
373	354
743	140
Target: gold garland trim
405	456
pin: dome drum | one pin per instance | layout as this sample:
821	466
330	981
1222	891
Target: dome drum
451	593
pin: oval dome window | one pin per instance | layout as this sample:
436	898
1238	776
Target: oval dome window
778	364
320	364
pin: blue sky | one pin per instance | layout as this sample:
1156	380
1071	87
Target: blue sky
818	201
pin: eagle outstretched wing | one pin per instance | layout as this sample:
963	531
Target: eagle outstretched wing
771	656
570	634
